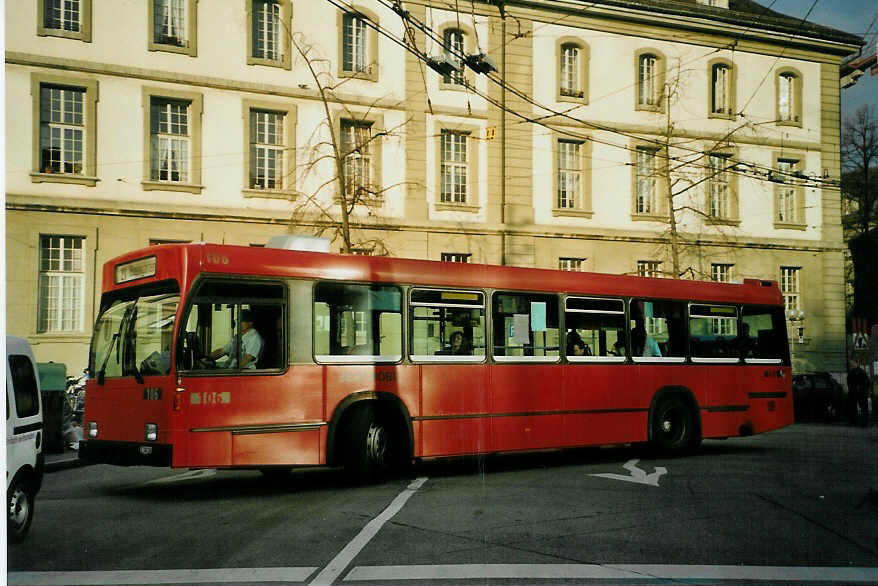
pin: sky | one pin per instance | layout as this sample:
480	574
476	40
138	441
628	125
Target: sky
850	16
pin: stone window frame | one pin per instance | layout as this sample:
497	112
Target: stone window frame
371	73
196	108
732	91
798	191
584	209
286	19
376	121
661	204
473	144
469	36
191	48
290	115
85	23
734	216
661	65
90	86
582	66
796	108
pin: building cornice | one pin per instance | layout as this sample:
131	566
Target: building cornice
26	203
186	79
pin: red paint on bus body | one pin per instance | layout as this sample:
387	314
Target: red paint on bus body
270	419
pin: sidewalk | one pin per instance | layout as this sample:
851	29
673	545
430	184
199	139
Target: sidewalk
61	461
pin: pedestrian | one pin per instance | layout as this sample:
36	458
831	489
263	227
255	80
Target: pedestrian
859	386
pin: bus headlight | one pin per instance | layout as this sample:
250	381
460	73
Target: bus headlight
92	429
151	432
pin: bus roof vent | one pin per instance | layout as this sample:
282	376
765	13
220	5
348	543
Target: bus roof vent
292	242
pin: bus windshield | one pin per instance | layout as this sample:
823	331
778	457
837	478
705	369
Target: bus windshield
133	336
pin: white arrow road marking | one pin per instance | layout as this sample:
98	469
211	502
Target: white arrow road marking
637	475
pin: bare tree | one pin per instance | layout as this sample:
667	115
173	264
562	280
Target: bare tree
340	154
859	183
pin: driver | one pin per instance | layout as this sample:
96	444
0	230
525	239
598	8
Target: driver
251	342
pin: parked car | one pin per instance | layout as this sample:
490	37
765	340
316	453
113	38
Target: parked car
24	437
818	397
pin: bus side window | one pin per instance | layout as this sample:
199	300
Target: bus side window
526	325
713	331
763	333
447	323
598	323
363	322
658	329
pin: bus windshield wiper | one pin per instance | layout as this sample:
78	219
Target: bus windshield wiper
132	320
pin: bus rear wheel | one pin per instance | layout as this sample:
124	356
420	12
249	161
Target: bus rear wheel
367	446
673	426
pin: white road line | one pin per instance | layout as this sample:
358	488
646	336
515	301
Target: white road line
341	561
182	576
612	572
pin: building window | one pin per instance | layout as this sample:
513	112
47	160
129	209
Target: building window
649	268
170	140
569	173
456	257
169	22
62	283
453	46
789	197
268	34
453	167
570	264
63	15
173	141
570	82
789	287
722	89
266	30
721	273
789	98
267	169
62	129
356	148
718	202
70	19
645	179
649	81
358	44
173	25
356	53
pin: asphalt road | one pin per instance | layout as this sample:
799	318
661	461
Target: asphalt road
795	505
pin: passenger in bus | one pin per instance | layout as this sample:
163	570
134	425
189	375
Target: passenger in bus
252	344
642	343
460	345
746	344
576	346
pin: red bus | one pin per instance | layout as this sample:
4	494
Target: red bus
215	356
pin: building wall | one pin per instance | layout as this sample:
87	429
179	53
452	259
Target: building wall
512	218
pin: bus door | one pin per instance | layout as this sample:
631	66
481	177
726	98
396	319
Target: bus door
719	381
525	377
231	357
449	344
595	373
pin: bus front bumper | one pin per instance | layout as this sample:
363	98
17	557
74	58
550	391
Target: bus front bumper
125	453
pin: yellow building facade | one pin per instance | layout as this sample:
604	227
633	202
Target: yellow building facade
574	135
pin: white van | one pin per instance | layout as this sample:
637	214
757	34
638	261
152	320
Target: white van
24	437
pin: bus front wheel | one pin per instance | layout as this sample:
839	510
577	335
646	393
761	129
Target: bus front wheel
673	426
366	446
